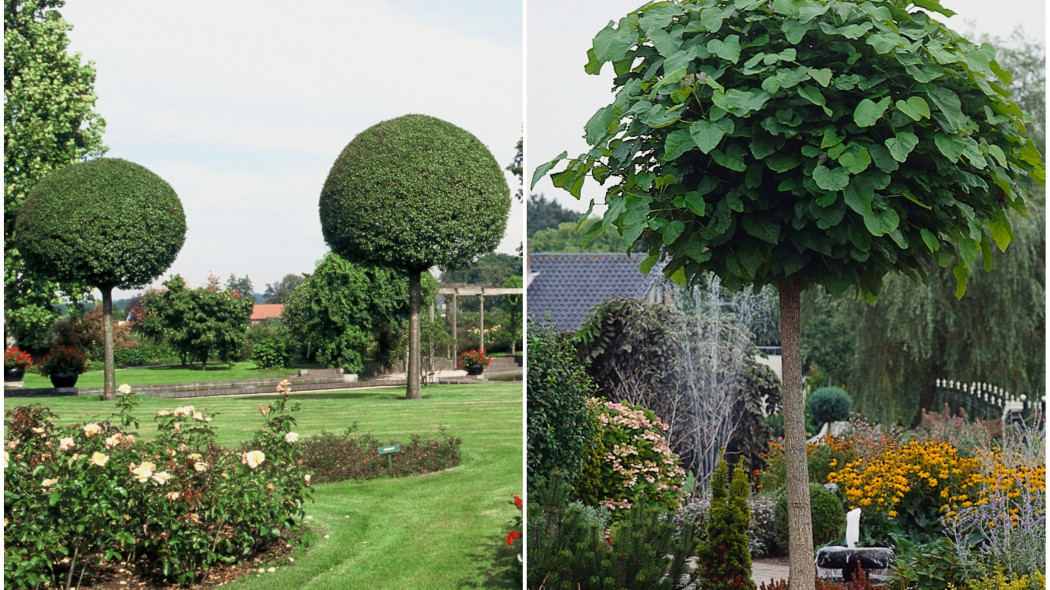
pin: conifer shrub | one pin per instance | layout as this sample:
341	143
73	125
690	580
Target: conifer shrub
573	547
828	404
725	558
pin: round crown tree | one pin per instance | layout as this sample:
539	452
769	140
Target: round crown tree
412	193
803	143
107	223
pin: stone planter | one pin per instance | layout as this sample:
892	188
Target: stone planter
475	369
15	374
63	380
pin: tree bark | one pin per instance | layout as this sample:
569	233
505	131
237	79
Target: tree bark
109	375
415	304
800	526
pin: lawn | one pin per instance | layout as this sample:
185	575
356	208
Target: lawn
163	374
440	530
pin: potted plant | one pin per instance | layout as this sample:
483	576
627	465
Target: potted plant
15	363
474	361
63	364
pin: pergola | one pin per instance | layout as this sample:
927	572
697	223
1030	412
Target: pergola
457	290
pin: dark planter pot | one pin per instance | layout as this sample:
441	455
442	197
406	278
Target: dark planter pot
475	369
59	380
15	374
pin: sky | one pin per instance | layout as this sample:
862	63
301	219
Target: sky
562	97
242	106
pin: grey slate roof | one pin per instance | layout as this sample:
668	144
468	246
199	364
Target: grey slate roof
569	285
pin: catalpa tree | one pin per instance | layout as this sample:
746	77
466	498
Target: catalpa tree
803	143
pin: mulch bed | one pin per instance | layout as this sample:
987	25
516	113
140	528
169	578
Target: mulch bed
120	576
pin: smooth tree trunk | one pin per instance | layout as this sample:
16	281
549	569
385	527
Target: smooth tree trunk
800	526
415	304
109	374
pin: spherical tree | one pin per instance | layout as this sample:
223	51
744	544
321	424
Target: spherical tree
107	223
412	193
804	143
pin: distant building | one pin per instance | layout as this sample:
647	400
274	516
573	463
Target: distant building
265	312
564	286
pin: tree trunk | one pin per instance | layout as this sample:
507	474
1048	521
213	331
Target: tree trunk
415	303
800	526
109	375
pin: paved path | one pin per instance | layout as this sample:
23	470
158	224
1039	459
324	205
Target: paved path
768	571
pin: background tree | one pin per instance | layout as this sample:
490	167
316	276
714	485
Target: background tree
490	270
543	214
242	285
412	193
572	236
515	168
280	291
199	324
49	122
804	143
515	325
107	223
346	312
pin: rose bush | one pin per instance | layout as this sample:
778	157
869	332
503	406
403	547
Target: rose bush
81	496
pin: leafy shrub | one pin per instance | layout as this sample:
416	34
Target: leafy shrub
724	558
83	494
271	352
570	548
559	423
145	353
331	457
637	465
828	404
932	564
828	517
828	454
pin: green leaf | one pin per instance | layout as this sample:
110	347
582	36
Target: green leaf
727	48
767	230
672	231
781	162
1002	231
915	107
882	42
742	102
882	223
543	169
961	272
902	145
822	76
831	180
677	143
708	134
935	6
598	125
612	43
930	240
732	158
948	103
794	31
856	159
649	262
695	202
868	112
951	146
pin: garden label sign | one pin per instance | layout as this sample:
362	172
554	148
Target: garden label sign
388	451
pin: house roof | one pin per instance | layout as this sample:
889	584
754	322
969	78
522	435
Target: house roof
266	311
566	286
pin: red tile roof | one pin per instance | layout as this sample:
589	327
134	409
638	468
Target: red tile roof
266	311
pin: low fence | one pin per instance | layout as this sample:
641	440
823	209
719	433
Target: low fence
984	401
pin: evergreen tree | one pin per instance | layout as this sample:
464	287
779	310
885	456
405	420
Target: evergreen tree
725	557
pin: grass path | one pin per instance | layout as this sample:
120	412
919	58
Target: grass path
440	530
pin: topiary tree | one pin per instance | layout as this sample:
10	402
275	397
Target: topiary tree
828	404
107	223
411	193
802	143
